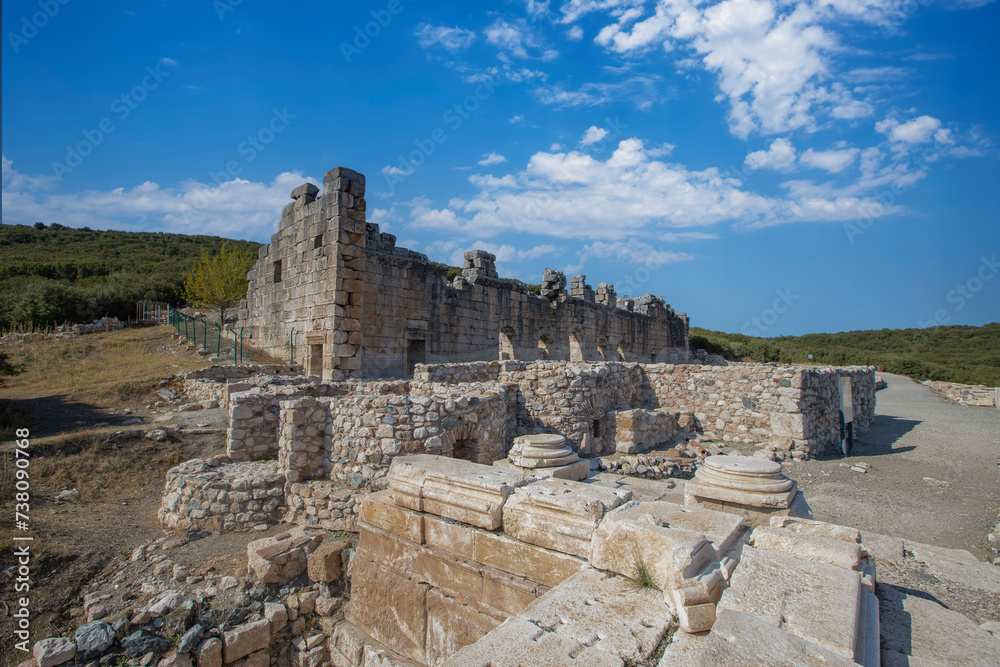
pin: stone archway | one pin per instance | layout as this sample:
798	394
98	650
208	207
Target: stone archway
507	335
465	441
544	347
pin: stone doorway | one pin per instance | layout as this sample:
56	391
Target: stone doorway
416	353
315	359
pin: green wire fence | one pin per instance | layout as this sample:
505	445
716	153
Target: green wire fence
208	335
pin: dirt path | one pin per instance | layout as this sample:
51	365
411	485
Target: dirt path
916	435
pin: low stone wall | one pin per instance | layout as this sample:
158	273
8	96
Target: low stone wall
329	505
218	494
759	403
967	394
574	399
209	384
641	430
476	371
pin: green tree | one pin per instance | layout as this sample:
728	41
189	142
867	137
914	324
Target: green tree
6	368
219	281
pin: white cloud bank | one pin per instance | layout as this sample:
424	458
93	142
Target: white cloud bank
237	208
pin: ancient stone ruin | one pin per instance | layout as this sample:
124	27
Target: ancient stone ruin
347	303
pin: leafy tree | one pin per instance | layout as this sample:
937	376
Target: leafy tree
219	281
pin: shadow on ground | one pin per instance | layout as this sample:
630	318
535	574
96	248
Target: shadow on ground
51	415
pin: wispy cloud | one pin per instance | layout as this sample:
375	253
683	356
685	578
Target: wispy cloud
451	39
492	158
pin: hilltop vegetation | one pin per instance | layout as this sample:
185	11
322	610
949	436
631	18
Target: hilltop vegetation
970	355
54	274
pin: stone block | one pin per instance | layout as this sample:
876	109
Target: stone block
740	639
674	543
517	643
391	608
452	488
813	547
279	559
245	639
817	602
626	621
378	509
559	514
538	564
323	564
53	651
451	625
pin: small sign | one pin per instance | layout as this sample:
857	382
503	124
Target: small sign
810	357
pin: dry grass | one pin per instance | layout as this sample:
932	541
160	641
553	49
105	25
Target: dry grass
103	466
118	367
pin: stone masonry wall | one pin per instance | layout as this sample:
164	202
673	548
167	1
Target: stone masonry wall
218	494
352	304
967	394
210	383
755	403
327	504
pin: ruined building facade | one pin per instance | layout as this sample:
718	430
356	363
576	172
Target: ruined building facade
340	298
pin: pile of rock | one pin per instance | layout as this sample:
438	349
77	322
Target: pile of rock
579	289
967	394
282	622
218	494
652	465
553	284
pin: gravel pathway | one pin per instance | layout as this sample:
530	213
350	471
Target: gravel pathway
917	434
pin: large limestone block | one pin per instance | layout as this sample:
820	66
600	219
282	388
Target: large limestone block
576	471
535	563
675	543
379	509
452	624
818	528
956	565
918	631
560	514
813	547
739	639
452	488
627	621
391	608
518	643
817	602
245	639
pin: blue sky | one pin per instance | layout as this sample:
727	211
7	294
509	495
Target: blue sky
768	167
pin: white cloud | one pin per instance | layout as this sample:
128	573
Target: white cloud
575	33
642	90
633	252
593	135
833	161
451	39
169	62
630	195
516	39
780	156
917	131
772	59
237	208
492	158
516	120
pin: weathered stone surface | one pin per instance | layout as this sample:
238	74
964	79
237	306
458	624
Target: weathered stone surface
559	514
673	542
279	559
518	642
54	651
209	653
917	631
545	450
94	638
807	546
743	640
452	625
956	565
141	642
628	622
391	608
743	480
817	602
818	528
379	509
451	488
245	639
323	564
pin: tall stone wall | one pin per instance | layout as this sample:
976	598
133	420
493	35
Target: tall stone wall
344	301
